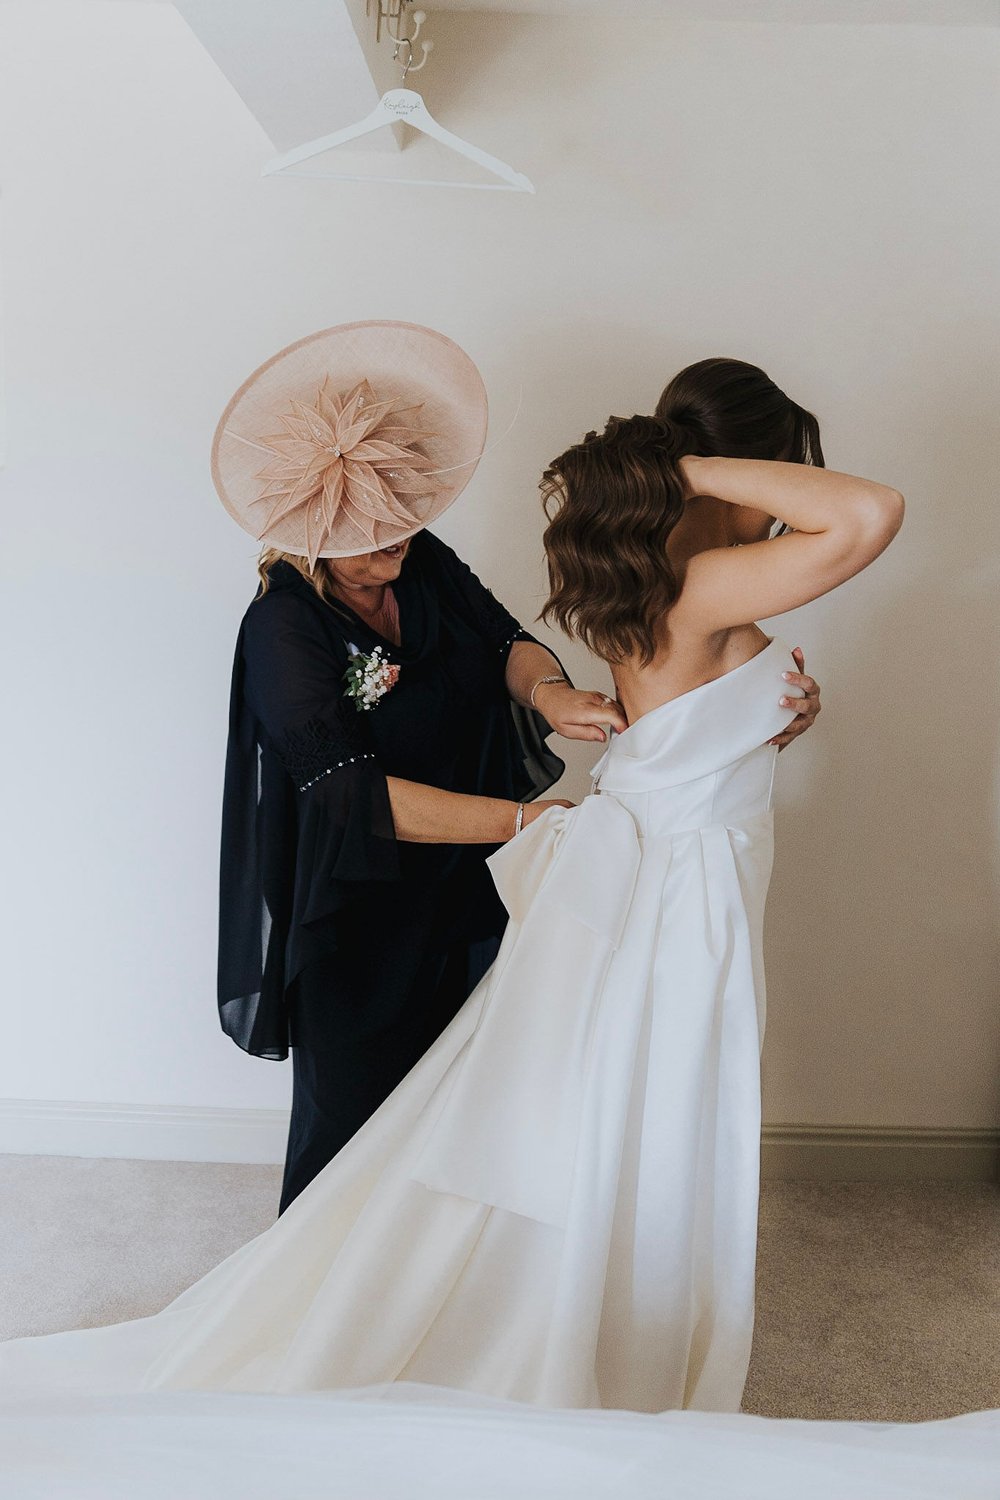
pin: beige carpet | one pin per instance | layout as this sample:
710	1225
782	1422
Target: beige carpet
878	1302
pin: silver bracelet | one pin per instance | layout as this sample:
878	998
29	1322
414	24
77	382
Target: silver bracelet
540	683
519	820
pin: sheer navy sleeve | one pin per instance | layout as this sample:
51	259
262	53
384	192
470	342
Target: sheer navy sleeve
483	610
536	766
310	862
307	825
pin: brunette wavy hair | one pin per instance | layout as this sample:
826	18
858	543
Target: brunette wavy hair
613	500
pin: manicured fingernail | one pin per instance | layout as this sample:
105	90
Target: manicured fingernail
787	676
785	703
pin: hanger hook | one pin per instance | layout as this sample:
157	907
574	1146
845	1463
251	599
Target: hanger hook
409	66
404	41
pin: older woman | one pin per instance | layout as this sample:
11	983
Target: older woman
387	724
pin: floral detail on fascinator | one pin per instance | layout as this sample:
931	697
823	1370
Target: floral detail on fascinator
350	457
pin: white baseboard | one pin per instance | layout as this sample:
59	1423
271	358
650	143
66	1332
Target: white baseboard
166	1133
815	1153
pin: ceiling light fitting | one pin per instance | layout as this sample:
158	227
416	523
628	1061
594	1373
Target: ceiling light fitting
396	17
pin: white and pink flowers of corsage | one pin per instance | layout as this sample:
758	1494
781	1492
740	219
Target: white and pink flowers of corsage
369	678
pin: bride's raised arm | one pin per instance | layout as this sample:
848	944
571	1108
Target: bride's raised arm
841	524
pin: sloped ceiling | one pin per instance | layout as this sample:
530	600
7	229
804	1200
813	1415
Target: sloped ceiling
298	65
304	67
879	12
802	12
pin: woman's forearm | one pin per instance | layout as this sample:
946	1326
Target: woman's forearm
427	815
806	498
527	664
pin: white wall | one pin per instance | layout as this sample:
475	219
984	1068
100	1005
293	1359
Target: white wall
822	200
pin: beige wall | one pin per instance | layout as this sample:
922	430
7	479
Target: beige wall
823	200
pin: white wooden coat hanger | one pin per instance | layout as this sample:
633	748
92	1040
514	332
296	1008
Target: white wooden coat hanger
406	106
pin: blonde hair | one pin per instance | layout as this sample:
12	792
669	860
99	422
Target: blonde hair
319	578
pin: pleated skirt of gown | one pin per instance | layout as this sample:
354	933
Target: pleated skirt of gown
558	1205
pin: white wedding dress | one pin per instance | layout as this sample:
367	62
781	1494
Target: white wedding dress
558	1205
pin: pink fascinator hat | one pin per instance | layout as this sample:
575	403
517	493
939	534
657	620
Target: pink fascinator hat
351	439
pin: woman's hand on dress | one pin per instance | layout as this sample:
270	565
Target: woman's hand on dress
533	810
578	715
808	707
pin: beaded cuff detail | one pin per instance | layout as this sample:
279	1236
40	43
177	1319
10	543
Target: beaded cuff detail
522	635
321	745
491	620
350	761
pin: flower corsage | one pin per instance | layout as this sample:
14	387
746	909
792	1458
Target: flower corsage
369	678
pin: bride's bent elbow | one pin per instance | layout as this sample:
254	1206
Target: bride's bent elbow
894	508
878	517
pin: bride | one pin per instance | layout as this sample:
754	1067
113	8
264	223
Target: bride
558	1204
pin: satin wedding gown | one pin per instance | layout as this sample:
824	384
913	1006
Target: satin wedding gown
559	1204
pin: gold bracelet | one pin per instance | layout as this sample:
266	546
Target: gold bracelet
540	683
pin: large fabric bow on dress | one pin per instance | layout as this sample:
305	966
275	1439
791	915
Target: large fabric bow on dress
567	882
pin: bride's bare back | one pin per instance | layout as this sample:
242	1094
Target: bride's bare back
731	574
686	658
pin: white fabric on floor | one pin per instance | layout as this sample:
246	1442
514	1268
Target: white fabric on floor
406	1443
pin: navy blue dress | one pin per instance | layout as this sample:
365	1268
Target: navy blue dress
336	940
